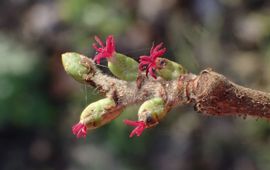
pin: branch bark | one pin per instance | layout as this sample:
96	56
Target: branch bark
210	93
214	94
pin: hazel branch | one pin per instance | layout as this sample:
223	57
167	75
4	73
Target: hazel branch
214	94
211	93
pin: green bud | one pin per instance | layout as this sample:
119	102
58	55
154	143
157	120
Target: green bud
99	113
72	63
123	67
152	111
168	69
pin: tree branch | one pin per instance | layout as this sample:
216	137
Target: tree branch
210	93
214	94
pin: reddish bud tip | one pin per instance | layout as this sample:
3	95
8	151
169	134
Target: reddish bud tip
106	51
80	130
149	62
139	127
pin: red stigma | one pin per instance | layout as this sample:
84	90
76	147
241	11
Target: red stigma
104	51
139	127
80	130
150	61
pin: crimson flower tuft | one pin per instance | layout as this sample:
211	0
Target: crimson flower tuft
149	62
140	126
104	51
80	130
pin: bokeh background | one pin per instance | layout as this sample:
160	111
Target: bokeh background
39	103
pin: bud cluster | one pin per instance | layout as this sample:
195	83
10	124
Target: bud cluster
125	68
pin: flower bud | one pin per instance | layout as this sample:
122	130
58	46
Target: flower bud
120	65
152	111
99	113
123	67
168	69
72	63
96	115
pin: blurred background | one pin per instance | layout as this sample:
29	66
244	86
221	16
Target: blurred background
39	103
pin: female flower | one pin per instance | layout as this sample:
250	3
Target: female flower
149	62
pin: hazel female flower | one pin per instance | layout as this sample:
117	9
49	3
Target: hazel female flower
106	51
80	130
148	63
139	127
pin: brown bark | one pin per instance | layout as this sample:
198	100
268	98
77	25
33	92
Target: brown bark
214	94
